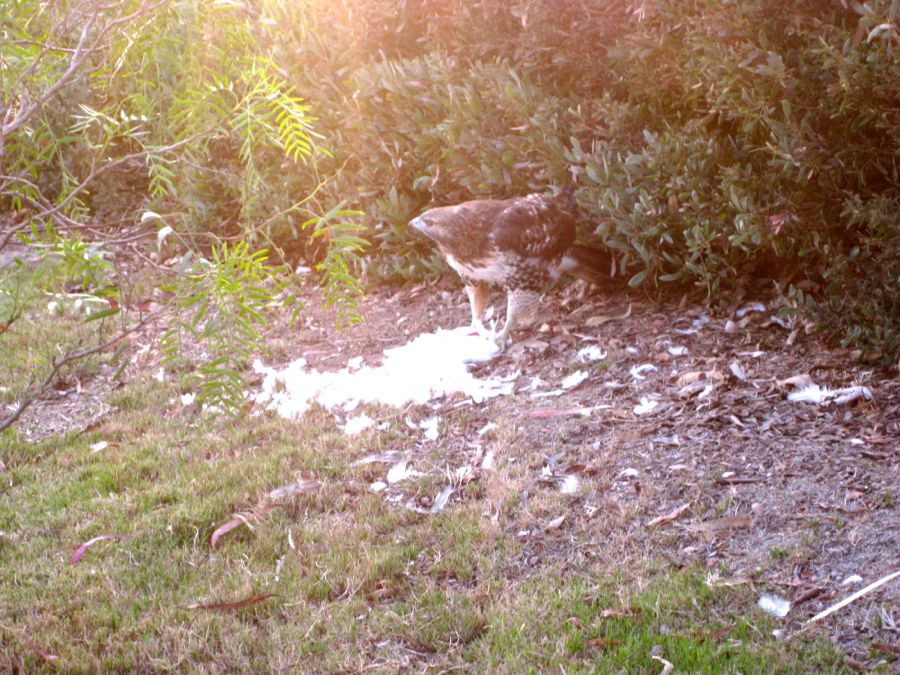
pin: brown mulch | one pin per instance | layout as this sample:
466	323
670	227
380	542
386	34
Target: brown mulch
787	497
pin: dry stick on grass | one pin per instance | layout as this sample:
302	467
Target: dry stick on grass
846	601
58	364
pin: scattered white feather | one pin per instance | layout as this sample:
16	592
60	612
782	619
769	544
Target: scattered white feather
569	485
852	579
488	462
487	428
738	371
357	423
591	353
696	325
636	371
187	399
574	379
378	486
430	427
535	383
380	458
99	446
441	500
645	406
774	605
748	308
162	234
707	390
401	471
677	350
848	394
433	365
821	395
547	394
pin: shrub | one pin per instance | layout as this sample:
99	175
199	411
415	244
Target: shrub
716	144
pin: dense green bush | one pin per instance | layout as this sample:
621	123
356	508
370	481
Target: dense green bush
715	144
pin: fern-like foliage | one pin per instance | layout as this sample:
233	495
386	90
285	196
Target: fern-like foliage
127	108
223	306
340	229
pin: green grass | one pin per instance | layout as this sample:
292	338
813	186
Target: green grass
366	583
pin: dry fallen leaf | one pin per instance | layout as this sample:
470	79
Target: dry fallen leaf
560	412
884	647
586	469
796	381
742	521
601	319
620	612
672	515
80	551
555	523
238	604
288	491
238	521
700	388
807	595
44	654
602	643
700	376
668	667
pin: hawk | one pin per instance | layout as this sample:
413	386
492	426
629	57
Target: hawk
519	244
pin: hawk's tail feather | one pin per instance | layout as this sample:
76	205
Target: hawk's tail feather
594	264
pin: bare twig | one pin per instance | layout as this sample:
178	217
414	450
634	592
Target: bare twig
58	364
15	316
846	601
853	598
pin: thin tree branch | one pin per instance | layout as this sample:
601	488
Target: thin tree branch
58	364
97	172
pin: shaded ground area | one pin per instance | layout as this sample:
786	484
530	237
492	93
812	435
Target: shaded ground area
679	442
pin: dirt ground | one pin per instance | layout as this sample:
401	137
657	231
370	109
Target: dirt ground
679	445
793	498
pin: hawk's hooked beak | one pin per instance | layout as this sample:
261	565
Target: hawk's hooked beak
419	225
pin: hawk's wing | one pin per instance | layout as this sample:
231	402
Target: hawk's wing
533	227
